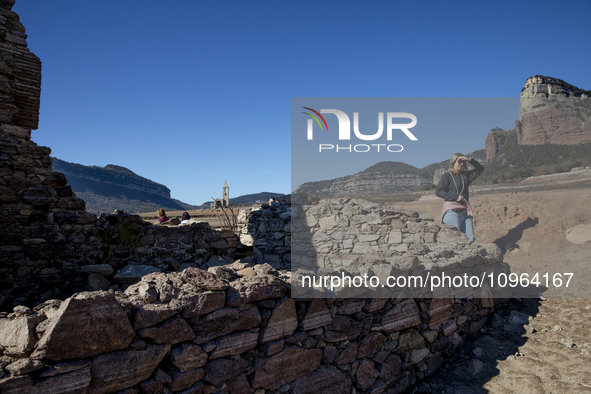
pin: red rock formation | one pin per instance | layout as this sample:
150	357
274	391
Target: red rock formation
553	112
495	140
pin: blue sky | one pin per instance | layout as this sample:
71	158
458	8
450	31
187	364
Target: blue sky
193	93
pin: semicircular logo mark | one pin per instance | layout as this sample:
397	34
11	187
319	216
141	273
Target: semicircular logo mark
317	113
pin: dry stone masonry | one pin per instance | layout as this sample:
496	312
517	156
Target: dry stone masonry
352	237
268	231
187	309
230	329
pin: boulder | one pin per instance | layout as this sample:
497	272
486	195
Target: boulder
216	261
24	366
97	282
85	325
579	234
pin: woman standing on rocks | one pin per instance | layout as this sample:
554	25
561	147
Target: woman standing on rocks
453	188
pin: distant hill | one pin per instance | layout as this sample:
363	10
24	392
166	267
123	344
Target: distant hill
386	177
249	198
114	187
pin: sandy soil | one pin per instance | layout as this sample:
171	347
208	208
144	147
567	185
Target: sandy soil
551	353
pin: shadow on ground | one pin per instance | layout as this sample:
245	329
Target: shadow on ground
477	361
509	240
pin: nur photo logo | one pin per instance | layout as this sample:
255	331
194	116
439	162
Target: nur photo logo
344	130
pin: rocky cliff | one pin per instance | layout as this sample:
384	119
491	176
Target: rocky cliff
114	187
551	112
495	141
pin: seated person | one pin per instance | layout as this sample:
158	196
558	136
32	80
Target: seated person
185	218
162	216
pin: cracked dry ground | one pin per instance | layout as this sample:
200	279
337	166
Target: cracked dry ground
551	351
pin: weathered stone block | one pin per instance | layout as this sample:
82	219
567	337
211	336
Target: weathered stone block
171	331
317	315
234	344
225	321
342	328
439	312
402	316
292	363
184	380
370	344
187	357
282	323
203	303
119	370
85	325
249	289
17	335
366	375
72	382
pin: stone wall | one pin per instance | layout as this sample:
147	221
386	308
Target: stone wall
268	231
231	329
30	192
79	252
